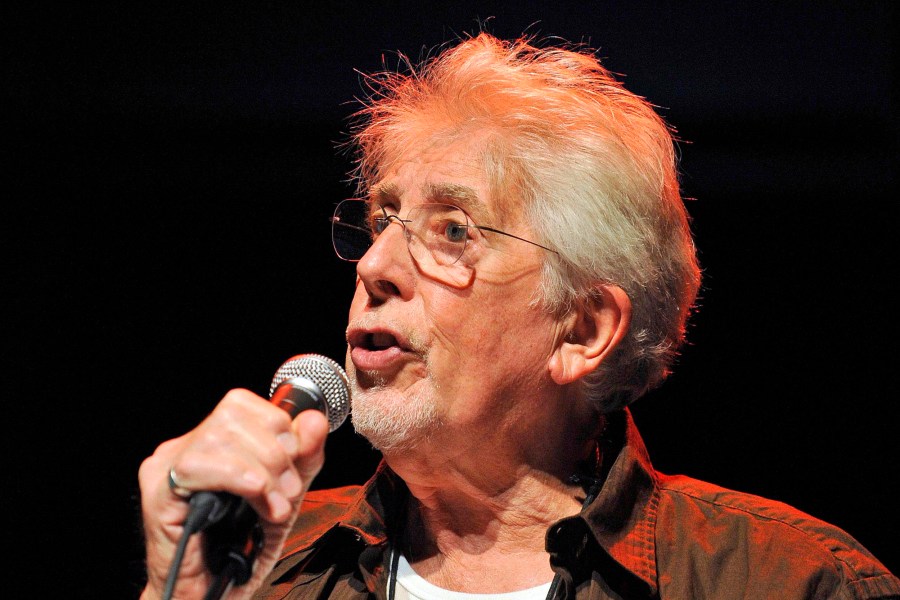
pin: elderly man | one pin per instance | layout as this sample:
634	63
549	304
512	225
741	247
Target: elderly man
525	270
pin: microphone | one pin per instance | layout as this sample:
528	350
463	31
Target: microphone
312	381
233	534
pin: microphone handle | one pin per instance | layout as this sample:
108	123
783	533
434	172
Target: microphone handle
233	536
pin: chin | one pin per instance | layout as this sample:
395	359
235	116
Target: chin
391	420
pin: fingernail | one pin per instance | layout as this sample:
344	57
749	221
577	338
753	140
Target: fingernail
279	505
290	483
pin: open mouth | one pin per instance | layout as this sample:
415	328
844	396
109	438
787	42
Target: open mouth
375	340
381	350
379	341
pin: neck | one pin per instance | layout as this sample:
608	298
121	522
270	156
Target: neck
477	520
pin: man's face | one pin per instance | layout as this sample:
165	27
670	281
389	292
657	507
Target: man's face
429	360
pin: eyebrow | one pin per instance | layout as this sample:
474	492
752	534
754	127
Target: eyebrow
461	195
383	193
451	193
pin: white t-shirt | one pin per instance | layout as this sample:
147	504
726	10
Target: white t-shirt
412	587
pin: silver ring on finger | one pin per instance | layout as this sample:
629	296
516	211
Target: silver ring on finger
176	487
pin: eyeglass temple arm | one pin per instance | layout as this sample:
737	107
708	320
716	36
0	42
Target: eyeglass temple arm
491	229
336	221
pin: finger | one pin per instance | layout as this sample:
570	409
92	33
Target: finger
311	428
242	444
305	443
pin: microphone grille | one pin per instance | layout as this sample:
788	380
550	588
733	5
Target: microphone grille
328	375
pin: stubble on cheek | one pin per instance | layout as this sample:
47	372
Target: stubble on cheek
394	419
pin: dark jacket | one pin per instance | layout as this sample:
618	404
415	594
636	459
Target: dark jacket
646	535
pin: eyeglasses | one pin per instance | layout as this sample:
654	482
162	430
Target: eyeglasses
436	235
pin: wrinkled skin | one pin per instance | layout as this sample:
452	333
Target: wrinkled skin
247	447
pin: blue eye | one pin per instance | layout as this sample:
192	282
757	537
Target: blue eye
379	224
456	232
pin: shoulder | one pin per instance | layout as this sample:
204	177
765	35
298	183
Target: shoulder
701	526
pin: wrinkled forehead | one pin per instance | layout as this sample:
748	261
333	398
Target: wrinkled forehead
460	171
465	197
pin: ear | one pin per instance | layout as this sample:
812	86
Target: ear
592	331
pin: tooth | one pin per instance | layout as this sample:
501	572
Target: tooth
382	340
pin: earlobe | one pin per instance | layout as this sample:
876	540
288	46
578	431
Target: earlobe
594	330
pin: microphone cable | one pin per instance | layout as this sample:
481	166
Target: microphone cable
204	510
233	535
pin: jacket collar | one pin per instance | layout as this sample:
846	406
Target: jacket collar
622	519
364	511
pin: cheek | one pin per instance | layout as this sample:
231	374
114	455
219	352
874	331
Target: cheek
477	329
455	322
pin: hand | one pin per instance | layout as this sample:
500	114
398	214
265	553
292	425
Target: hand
248	447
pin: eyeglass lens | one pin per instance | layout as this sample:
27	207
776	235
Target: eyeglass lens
436	235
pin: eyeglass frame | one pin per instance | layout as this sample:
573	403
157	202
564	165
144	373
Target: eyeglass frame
388	218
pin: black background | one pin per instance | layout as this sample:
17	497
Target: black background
170	171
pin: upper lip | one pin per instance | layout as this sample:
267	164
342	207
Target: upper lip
364	337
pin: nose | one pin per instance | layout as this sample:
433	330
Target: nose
386	269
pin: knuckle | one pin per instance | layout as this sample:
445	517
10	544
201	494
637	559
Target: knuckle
236	399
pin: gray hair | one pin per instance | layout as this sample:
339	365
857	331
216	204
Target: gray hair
592	165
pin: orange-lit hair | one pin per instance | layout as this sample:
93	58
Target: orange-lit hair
591	164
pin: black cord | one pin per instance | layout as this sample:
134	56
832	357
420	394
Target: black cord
392	582
220	584
202	508
236	567
176	564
